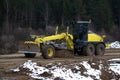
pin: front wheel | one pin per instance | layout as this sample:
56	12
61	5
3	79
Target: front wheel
48	51
100	49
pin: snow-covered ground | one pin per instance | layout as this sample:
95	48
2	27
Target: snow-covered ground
115	65
75	71
115	44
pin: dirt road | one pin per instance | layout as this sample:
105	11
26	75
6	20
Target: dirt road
11	61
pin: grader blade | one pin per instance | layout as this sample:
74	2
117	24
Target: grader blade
28	48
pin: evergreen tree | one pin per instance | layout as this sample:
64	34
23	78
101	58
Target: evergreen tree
100	13
115	5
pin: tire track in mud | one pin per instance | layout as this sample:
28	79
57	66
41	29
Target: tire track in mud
8	62
19	58
11	61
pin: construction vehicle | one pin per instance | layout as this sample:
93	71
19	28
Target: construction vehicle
80	41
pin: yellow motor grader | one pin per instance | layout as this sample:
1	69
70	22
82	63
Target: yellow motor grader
80	41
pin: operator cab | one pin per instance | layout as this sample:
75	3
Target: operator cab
80	30
80	34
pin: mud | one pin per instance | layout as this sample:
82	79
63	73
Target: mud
64	54
11	61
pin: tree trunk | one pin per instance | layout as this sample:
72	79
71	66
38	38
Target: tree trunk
118	30
6	23
46	13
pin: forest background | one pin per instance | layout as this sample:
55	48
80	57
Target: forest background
20	18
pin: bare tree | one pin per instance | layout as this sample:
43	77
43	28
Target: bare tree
46	13
6	23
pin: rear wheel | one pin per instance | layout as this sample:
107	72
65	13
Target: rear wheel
89	50
48	51
100	49
30	55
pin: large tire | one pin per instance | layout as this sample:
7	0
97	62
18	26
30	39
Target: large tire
48	51
100	49
30	55
89	50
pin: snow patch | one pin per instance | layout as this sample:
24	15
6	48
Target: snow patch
68	72
16	70
115	44
91	71
60	71
115	65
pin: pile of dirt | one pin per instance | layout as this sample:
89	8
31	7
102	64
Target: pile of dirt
92	69
46	74
107	74
63	64
64	54
10	75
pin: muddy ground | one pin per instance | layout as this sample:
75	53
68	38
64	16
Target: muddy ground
11	61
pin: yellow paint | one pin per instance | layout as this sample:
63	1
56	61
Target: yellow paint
50	52
107	45
92	37
64	36
56	32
